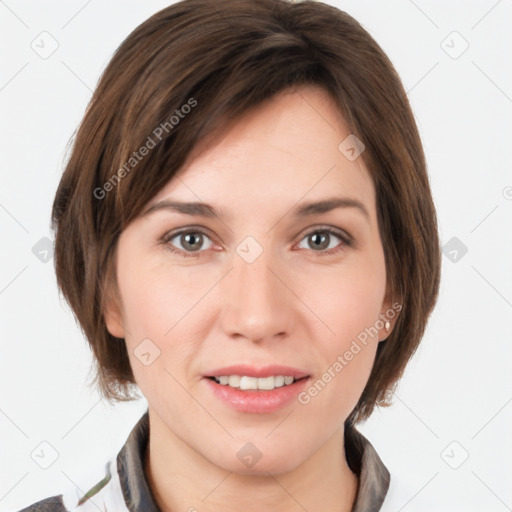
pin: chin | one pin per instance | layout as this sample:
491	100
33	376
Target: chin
248	459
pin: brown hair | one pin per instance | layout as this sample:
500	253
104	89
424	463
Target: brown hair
220	58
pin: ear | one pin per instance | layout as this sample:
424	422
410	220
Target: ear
113	319
389	313
112	311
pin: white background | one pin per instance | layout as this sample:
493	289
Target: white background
458	386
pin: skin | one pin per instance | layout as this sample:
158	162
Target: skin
294	305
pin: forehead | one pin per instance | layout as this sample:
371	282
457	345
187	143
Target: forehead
282	151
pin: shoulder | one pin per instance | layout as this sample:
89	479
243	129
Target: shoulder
114	489
91	493
52	504
396	496
402	491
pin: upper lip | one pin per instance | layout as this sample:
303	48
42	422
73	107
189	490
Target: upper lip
253	371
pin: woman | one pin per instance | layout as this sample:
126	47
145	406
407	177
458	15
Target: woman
245	232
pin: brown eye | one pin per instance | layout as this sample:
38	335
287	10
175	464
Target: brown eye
188	242
191	241
319	240
324	241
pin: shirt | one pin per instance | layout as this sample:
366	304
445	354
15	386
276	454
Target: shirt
124	487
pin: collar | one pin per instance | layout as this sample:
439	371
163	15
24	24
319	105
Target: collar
362	458
373	476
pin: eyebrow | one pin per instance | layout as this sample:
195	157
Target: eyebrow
303	210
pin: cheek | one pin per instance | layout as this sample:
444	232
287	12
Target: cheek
348	303
147	303
349	300
164	306
155	296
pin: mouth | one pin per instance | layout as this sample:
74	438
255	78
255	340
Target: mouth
250	378
251	390
246	382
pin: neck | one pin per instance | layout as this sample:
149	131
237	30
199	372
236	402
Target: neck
181	479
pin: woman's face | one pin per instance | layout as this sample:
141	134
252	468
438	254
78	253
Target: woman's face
257	284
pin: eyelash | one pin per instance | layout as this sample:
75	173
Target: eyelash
346	240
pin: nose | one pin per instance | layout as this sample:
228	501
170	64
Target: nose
257	304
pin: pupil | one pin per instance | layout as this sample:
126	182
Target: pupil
192	236
320	241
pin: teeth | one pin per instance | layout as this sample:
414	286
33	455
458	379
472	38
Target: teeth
234	381
264	383
248	382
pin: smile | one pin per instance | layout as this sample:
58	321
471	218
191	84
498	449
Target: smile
244	382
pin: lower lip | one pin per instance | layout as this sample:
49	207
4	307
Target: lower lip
256	401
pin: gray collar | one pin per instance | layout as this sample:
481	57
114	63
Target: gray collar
362	458
373	475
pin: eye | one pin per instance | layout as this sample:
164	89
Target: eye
189	241
323	241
